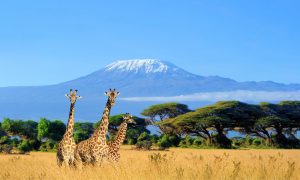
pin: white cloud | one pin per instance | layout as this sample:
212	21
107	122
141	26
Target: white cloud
240	95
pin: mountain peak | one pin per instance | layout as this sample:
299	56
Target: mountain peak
141	65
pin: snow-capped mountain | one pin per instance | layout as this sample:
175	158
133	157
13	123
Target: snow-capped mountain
139	77
146	66
133	78
150	77
140	65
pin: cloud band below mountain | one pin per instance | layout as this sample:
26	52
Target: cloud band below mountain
240	95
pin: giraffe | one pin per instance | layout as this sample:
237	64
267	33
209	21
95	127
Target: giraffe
94	150
114	146
66	147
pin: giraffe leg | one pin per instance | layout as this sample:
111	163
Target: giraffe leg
117	159
72	162
59	158
78	161
66	161
98	160
59	162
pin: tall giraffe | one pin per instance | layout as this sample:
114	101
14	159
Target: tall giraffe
94	150
114	146
66	147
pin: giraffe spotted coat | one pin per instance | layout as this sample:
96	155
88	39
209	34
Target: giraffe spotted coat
114	146
94	150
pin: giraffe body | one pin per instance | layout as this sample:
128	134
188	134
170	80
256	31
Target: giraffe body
95	149
66	147
114	146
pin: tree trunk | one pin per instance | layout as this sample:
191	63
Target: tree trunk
269	140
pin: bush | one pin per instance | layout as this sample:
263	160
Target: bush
197	142
248	140
174	140
132	134
144	136
131	141
4	140
186	142
24	147
154	138
144	141
145	145
34	144
238	141
257	142
164	142
49	145
6	148
15	142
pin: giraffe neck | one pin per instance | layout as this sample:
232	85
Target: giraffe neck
70	126
100	132
120	136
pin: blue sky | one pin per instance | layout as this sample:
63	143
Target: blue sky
47	42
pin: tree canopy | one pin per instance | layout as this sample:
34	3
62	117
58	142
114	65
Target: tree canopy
264	120
164	111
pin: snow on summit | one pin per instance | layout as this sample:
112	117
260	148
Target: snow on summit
141	65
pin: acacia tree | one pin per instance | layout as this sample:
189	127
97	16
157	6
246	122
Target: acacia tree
160	112
189	124
265	126
203	122
217	118
290	110
224	116
278	121
269	122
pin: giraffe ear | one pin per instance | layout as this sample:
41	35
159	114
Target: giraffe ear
118	93
79	97
106	93
67	95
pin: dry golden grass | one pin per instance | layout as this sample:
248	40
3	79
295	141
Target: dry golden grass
172	164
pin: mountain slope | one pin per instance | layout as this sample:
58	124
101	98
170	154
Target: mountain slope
141	77
158	78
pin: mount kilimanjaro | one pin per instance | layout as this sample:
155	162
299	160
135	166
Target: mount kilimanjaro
133	78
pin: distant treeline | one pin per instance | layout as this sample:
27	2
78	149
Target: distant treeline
260	126
23	136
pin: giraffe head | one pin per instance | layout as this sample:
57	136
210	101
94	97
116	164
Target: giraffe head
112	94
128	119
73	96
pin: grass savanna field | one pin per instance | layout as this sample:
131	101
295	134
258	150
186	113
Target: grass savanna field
176	163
